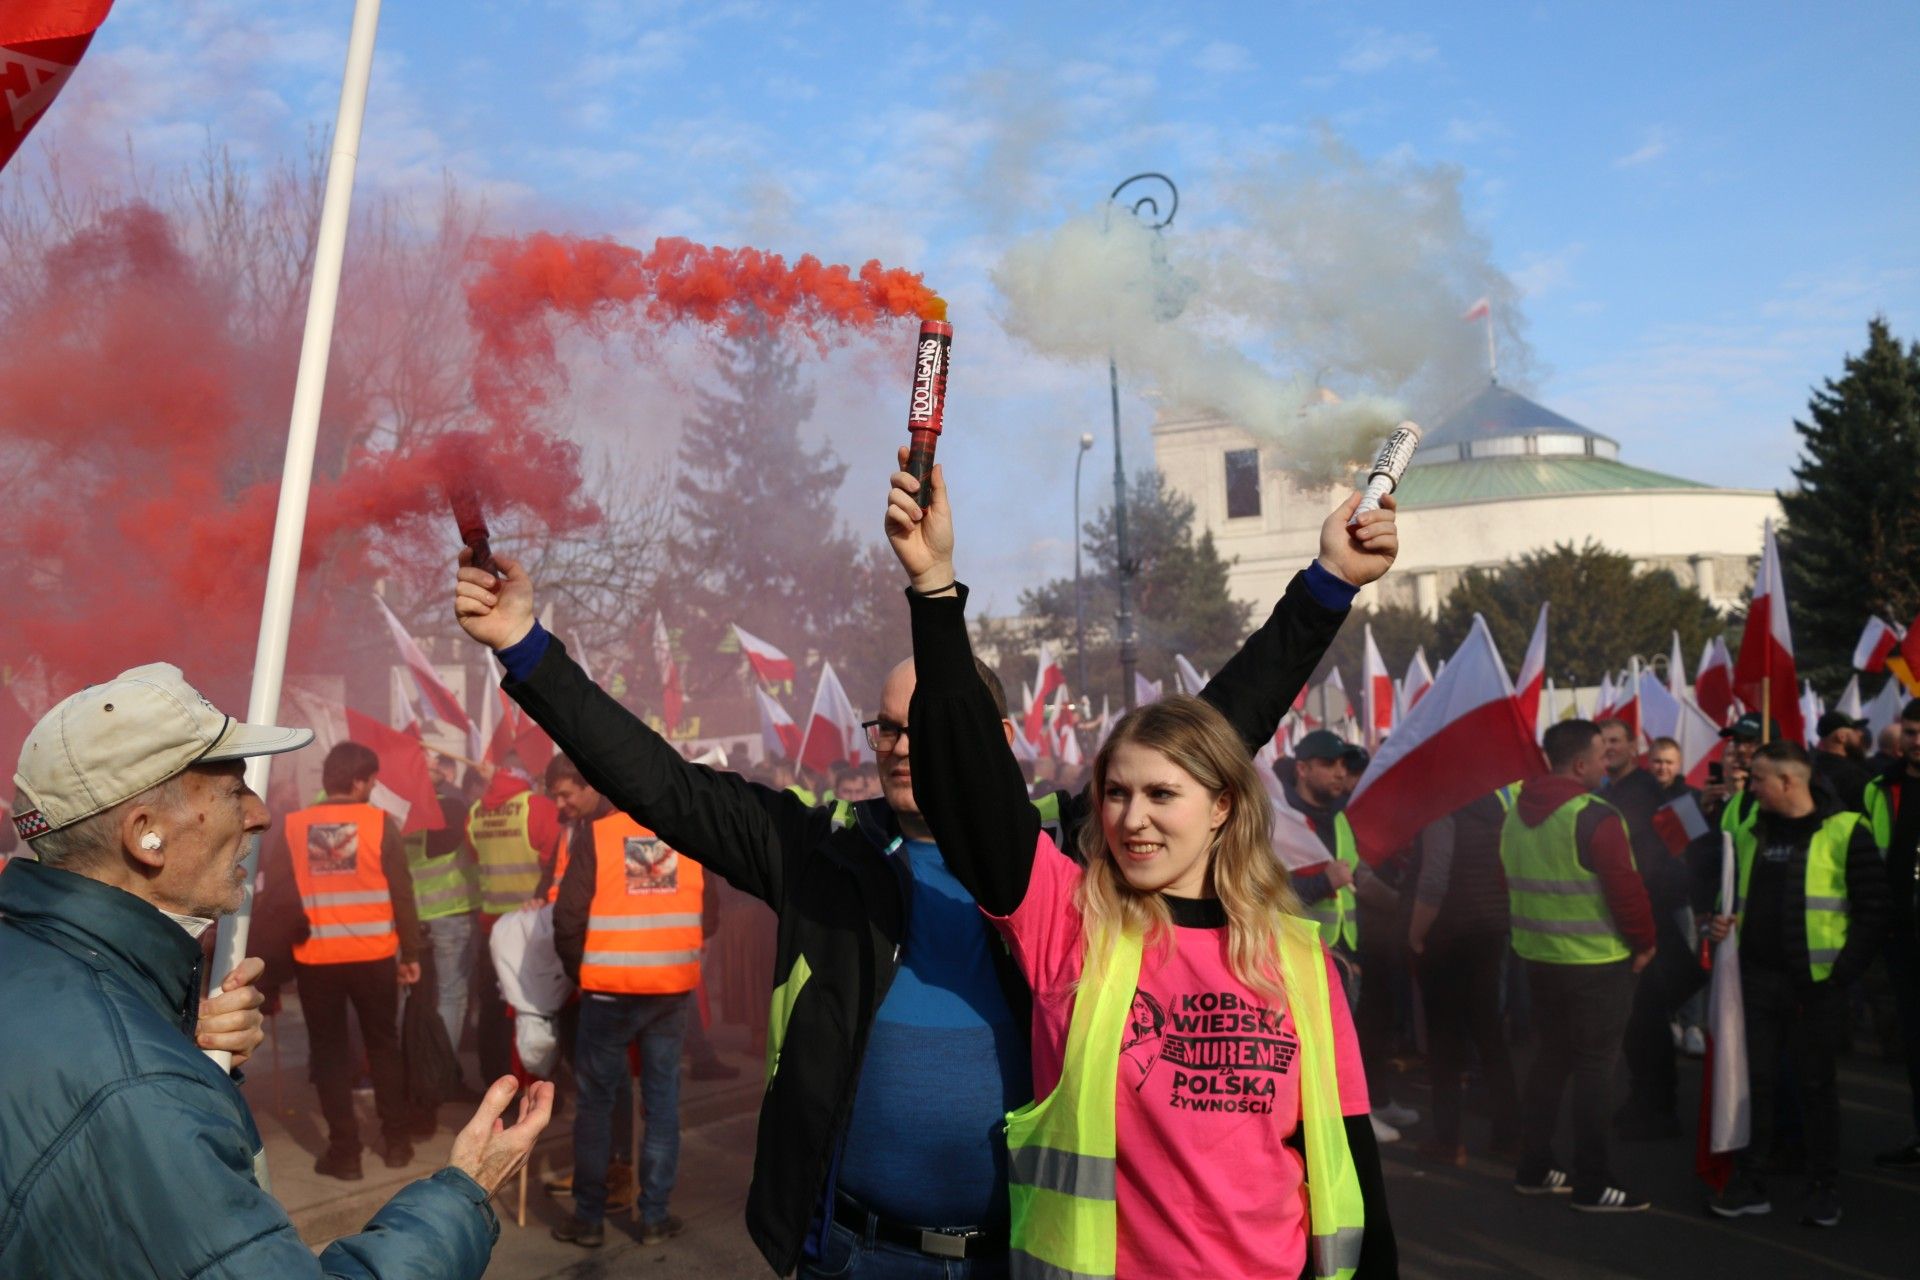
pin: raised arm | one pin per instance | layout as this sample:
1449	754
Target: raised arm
747	833
965	779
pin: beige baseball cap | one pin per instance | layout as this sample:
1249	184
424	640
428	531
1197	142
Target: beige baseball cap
109	742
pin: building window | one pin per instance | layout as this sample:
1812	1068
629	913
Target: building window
1243	483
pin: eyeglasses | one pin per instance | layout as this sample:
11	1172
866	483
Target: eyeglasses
883	735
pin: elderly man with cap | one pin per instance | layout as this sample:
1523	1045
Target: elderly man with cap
124	1151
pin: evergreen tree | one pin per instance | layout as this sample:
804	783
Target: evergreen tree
1851	545
1179	589
1603	612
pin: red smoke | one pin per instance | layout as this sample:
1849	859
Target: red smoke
144	432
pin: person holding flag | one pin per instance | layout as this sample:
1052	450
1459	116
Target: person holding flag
1144	1154
1810	906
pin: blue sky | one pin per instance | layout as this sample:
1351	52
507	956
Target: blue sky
1699	205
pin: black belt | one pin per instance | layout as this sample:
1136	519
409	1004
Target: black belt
965	1243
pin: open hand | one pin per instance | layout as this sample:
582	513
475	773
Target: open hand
487	1150
496	610
230	1019
1365	552
922	539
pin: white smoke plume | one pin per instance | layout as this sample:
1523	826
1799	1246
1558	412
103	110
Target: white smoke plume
1321	274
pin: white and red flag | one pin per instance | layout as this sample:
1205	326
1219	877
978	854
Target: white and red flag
1478	311
405	785
1713	682
1376	691
440	700
779	735
513	731
1676	669
1725	1102
1049	677
41	42
768	663
1419	679
1603	701
1765	672
1849	704
1877	639
1464	740
1910	652
833	730
1626	705
672	698
1185	678
1533	671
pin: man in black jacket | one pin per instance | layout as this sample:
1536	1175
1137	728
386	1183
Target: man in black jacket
844	1152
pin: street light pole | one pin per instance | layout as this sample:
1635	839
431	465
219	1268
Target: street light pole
1147	209
1079	596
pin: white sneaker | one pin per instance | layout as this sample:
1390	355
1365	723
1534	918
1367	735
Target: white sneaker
1383	1133
1679	1036
1694	1043
1397	1116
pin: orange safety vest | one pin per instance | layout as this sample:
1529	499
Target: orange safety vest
643	929
560	864
343	888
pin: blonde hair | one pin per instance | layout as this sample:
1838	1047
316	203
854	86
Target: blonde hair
1242	870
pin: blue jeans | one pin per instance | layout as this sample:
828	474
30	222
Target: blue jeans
452	939
608	1024
852	1255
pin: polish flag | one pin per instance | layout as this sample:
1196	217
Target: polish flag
833	730
1627	705
1725	1101
439	699
1849	704
513	732
779	735
1465	739
40	45
1419	678
1603	702
1665	716
1533	671
1766	650
1713	682
1049	676
404	787
1295	843
1676	669
1812	707
771	665
1878	639
1189	681
1376	690
672	700
1478	311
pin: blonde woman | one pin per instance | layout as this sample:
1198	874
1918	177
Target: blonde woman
1192	1074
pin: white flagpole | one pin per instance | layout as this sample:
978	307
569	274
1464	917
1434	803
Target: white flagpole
289	525
1493	365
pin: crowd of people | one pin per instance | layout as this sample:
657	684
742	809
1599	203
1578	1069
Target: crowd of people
1018	1026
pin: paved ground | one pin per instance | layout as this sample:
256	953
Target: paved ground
1450	1222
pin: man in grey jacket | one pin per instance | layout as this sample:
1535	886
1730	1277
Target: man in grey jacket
124	1151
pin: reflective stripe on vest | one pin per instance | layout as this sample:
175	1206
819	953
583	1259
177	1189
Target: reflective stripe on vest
443	886
1825	888
1335	914
643	927
509	864
335	853
1559	913
780	1011
1062	1162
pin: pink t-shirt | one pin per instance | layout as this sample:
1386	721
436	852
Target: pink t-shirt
1209	1092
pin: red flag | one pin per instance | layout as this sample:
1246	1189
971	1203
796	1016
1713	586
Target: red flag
779	735
40	44
771	665
833	730
1049	677
1533	671
1376	689
1464	740
1910	645
1766	649
1478	311
672	701
1713	682
403	771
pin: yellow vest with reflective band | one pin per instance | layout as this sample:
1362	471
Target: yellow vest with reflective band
509	864
444	886
1826	888
1741	813
335	851
1062	1160
1879	807
643	928
1335	914
1559	913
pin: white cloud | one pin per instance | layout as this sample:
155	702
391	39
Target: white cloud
1463	131
1377	49
1655	144
1540	273
1223	58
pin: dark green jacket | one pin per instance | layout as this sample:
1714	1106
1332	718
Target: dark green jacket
124	1151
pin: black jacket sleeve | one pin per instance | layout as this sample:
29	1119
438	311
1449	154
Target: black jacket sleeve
1261	680
749	834
965	779
572	906
1866	906
406	915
